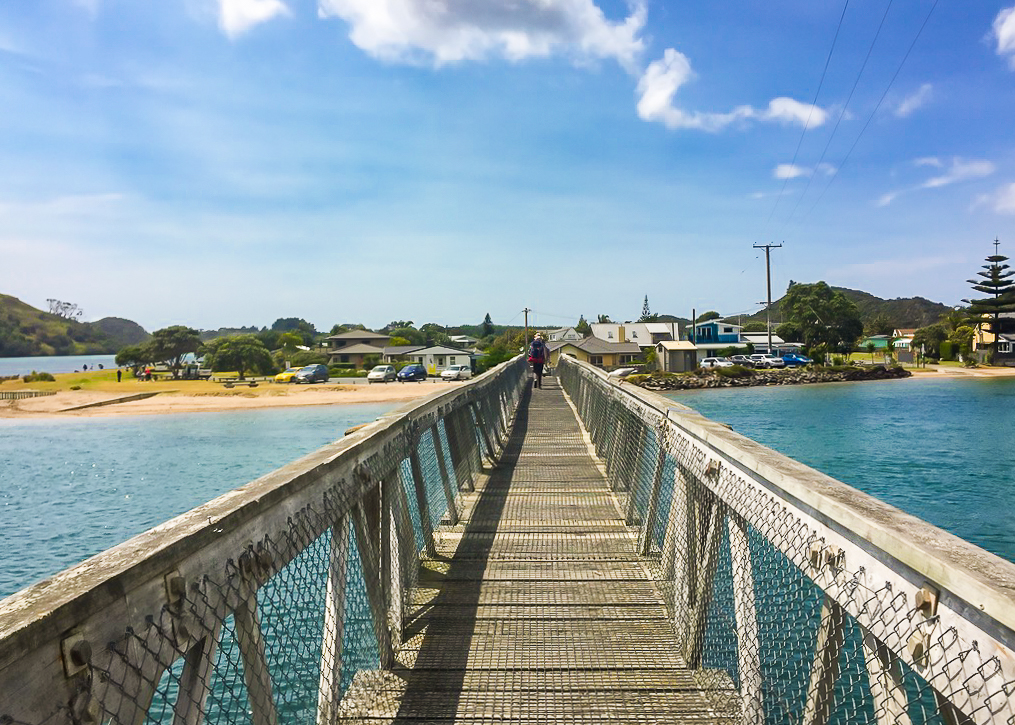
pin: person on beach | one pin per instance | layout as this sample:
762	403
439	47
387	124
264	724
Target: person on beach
119	374
537	356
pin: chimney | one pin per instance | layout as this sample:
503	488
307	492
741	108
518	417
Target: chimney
621	334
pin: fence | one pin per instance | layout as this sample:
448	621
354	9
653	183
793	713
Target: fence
24	394
822	604
260	606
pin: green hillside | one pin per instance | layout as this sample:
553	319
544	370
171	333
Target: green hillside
902	312
27	331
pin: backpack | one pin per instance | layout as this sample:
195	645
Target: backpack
537	351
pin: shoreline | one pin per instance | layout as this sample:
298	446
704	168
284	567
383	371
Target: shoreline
104	404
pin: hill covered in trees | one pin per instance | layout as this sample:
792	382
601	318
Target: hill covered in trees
27	331
902	312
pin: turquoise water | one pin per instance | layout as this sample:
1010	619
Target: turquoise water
72	488
943	450
53	364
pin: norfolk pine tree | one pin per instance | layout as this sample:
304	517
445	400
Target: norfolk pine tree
995	282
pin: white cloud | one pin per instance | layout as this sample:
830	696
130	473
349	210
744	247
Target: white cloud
1004	32
1003	200
790	111
929	161
886	199
961	170
790	171
89	6
663	78
914	100
236	17
449	31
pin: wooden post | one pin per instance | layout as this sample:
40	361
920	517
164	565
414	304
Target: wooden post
707	534
367	535
645	545
632	491
195	680
419	485
330	685
484	431
250	639
746	613
442	465
891	705
825	668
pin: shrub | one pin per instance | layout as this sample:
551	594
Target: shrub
947	350
737	371
837	361
35	377
75	387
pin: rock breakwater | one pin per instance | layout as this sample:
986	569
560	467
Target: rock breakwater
750	378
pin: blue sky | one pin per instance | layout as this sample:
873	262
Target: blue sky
227	162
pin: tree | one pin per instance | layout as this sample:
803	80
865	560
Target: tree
240	353
996	282
604	318
879	324
646	313
583	327
823	315
929	339
134	357
414	336
487	327
66	310
871	347
435	334
170	344
396	324
288	342
962	338
304	329
757	327
713	315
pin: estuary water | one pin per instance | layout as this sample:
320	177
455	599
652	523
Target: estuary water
53	364
72	488
943	450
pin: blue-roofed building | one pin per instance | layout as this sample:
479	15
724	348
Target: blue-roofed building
715	332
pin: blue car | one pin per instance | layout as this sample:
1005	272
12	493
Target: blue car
412	373
793	360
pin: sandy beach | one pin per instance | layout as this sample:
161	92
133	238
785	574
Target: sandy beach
185	397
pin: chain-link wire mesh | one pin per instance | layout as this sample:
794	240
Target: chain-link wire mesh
268	617
812	623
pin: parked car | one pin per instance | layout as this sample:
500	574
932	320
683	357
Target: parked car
287	375
382	374
456	372
759	360
716	362
412	373
793	360
742	360
774	362
312	374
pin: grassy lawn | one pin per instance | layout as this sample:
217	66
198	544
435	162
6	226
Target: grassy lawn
104	381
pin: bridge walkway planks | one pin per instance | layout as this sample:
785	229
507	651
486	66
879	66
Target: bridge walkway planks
537	608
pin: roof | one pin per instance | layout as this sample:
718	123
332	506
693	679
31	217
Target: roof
659	328
358	350
596	346
358	335
440	350
719	322
677	345
401	349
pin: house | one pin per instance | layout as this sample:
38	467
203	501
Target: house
607	355
564	333
983	339
438	357
760	342
399	353
350	348
643	334
676	356
463	340
714	335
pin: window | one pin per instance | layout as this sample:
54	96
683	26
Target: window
597	359
452	360
609	335
634	335
440	361
727	329
344	358
628	359
1004	347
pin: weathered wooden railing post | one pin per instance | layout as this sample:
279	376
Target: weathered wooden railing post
746	614
825	667
366	519
461	456
442	467
422	503
648	525
256	675
330	685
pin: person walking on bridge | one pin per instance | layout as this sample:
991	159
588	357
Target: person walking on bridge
537	356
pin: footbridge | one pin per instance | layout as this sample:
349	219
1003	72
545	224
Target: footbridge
585	552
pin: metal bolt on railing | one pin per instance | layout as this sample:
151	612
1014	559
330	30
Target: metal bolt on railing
926	600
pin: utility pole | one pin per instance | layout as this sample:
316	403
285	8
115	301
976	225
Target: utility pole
768	274
527	311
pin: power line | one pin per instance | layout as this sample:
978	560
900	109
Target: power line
880	101
842	112
814	104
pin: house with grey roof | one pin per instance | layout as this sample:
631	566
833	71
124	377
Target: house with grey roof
607	355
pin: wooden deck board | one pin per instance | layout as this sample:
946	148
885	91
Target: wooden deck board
537	608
